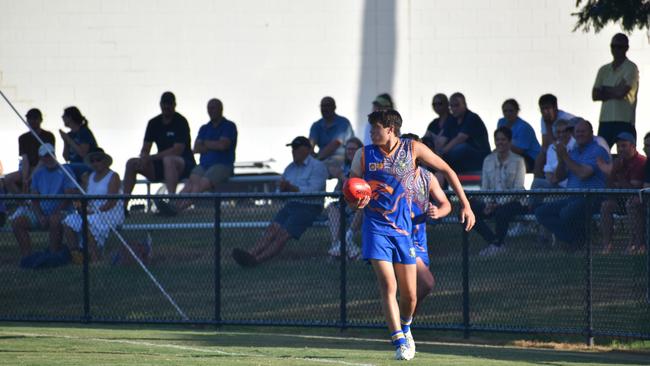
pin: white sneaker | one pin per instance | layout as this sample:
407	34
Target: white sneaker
403	352
410	341
335	249
491	251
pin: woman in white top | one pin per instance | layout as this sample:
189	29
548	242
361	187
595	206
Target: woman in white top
102	214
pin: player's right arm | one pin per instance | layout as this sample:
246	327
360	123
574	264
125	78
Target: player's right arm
356	171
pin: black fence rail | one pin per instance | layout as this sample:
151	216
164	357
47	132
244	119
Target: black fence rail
567	262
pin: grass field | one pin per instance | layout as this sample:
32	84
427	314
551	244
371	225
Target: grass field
42	344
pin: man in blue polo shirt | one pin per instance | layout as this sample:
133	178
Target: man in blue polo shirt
565	218
216	142
330	132
524	141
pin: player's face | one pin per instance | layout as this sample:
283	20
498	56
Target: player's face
439	106
380	134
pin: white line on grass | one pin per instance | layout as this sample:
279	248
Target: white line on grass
177	346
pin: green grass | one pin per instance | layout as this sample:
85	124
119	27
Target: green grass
42	344
528	287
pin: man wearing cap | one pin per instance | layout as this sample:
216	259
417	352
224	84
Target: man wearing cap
44	214
18	182
625	173
617	85
330	132
565	218
305	174
174	159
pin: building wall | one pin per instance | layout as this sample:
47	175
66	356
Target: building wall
270	62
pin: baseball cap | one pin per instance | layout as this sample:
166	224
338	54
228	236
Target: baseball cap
626	136
382	102
168	98
45	149
300	141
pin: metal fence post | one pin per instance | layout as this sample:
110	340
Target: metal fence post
589	269
217	260
466	319
344	257
84	245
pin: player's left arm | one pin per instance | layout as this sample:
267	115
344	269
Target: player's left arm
427	157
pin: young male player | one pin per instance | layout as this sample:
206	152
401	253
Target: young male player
389	165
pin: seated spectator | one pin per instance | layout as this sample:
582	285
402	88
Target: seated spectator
502	170
441	129
174	160
28	145
354	218
330	133
44	214
77	142
216	142
550	114
103	215
563	134
565	218
524	141
466	151
626	172
305	174
383	102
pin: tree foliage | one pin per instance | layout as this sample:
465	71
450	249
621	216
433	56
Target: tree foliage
597	13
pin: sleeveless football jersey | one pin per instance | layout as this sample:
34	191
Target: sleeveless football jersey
391	177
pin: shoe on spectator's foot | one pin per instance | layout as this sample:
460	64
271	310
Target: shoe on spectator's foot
335	249
491	250
403	352
244	258
28	261
165	208
410	341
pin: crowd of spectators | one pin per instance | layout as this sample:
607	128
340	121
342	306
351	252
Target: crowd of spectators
569	156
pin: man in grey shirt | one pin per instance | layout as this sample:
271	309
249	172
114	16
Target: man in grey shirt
305	174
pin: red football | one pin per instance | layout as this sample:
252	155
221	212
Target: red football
356	188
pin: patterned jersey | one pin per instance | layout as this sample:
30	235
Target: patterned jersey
391	178
420	205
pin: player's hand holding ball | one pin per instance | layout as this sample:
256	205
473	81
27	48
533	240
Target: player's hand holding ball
356	193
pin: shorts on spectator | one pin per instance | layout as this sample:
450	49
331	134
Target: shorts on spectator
296	217
28	212
216	174
159	170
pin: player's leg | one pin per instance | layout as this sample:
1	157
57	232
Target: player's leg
425	281
386	280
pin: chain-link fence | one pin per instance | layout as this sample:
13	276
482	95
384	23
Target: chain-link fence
537	261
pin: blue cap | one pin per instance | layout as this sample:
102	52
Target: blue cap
626	136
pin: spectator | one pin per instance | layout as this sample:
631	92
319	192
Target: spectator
103	214
563	133
524	141
625	173
565	218
28	145
333	210
305	174
330	133
466	151
77	142
216	142
617	85
441	129
646	149
3	192
550	114
44	214
503	170
174	159
383	102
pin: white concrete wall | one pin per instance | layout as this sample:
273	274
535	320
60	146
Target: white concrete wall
270	62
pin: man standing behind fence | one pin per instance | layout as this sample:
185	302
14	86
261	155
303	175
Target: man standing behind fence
305	174
566	218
